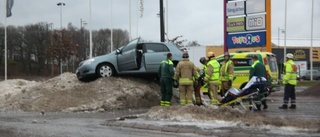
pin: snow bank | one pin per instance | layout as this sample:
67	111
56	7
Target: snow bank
67	93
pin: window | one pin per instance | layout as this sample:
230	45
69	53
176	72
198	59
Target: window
153	47
132	45
129	47
272	64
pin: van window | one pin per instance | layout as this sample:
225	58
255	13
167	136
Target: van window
272	64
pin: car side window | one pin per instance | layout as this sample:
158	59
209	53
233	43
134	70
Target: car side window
154	47
129	47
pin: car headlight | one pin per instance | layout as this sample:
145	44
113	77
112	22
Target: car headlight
89	61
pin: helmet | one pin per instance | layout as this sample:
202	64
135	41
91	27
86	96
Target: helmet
203	60
210	54
289	55
185	55
226	54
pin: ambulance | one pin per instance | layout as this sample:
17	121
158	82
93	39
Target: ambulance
242	64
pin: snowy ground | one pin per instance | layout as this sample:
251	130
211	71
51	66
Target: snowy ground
66	94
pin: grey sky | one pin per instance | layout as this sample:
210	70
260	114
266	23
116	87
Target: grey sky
200	20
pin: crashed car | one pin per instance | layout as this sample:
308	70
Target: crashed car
134	58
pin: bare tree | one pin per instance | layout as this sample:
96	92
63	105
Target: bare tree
177	42
120	38
102	42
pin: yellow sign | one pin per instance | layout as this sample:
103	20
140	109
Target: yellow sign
299	54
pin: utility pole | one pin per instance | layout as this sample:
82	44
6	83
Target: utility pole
60	4
161	22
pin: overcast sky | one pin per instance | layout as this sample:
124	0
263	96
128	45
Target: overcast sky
196	20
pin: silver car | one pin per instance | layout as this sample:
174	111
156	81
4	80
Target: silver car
305	75
134	58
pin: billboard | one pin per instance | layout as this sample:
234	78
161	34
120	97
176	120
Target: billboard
256	22
235	8
298	54
250	39
235	24
302	65
255	6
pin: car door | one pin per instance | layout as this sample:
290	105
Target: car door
155	53
127	56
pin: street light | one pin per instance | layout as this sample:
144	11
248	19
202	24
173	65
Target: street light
311	58
282	31
60	4
285	28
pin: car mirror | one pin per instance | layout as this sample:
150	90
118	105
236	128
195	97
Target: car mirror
118	51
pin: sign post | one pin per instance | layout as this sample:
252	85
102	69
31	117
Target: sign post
247	24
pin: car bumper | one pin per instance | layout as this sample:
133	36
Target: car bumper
84	72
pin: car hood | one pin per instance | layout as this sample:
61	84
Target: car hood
99	57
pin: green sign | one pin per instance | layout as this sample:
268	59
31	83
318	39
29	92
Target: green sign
235	24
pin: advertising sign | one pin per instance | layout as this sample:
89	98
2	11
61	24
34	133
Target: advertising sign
235	8
298	54
246	39
255	6
256	22
235	24
302	65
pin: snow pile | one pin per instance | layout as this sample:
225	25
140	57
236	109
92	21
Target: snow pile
66	93
12	87
192	113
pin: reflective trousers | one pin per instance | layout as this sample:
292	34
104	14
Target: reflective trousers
289	93
166	91
186	95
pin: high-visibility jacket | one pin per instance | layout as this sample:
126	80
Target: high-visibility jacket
290	73
166	69
226	71
212	70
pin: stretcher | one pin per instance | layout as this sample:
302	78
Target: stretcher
247	97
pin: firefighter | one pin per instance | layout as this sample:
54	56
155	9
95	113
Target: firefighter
212	77
289	79
166	74
226	73
185	72
258	69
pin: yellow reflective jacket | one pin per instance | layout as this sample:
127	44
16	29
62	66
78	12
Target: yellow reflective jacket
226	71
290	73
212	70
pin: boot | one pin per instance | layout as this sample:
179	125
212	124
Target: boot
293	106
264	103
258	108
284	106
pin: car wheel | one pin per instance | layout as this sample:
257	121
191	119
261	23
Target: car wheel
105	70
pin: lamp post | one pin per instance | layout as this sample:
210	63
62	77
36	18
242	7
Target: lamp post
161	22
83	40
285	33
60	4
282	31
51	44
311	58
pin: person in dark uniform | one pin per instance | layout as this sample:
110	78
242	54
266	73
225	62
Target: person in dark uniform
259	70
